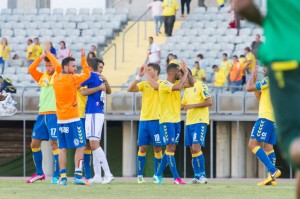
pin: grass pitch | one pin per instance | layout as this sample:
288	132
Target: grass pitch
128	188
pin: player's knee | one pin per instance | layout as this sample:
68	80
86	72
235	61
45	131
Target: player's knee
53	144
171	148
35	144
295	151
252	144
142	149
268	147
157	149
196	148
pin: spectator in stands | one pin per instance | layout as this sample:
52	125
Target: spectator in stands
250	63
4	53
91	55
16	56
198	72
30	52
242	61
52	49
63	52
39	48
200	59
187	2
170	7
236	74
219	79
94	50
169	58
156	8
225	67
255	45
154	55
234	19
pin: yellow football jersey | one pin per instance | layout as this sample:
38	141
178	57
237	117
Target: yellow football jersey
225	67
81	103
150	101
250	57
195	95
169	7
31	49
198	74
220	79
265	104
242	62
169	103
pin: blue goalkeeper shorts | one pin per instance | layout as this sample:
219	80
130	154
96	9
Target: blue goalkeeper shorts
45	127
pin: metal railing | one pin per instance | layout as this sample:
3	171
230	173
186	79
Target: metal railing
115	53
138	32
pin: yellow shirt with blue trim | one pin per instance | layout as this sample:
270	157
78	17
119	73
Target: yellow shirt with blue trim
39	51
170	7
198	74
265	104
81	103
31	49
150	101
169	103
196	95
4	52
225	67
251	57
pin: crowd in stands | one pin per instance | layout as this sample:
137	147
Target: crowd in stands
34	50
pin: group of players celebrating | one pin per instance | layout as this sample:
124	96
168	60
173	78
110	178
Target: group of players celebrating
61	117
69	119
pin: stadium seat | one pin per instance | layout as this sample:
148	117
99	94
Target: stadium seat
110	11
19	25
33	33
16	63
46	32
116	25
40	18
97	11
65	18
198	25
193	18
2	19
84	11
52	18
90	18
245	31
59	32
27	18
212	10
77	18
31	11
44	25
69	25
199	10
231	32
220	31
6	32
221	24
45	11
82	26
258	31
56	25
186	25
6	12
10	70
20	32
58	11
18	11
88	32
13	18
71	11
102	18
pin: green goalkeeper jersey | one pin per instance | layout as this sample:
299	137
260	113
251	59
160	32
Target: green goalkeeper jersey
282	31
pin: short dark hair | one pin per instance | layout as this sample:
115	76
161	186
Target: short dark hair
196	62
242	56
225	54
247	49
66	61
235	56
100	61
30	40
214	66
155	67
46	59
63	43
93	46
172	66
91	53
92	62
200	55
36	38
258	35
175	56
151	37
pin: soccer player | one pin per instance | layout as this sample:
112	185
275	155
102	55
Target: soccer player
281	54
264	128
70	130
45	127
170	121
196	101
94	122
149	118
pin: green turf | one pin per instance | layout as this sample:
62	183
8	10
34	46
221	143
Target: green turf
225	190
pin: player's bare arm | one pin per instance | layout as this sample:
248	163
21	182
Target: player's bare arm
180	84
90	91
206	103
251	86
247	9
151	81
133	86
107	85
